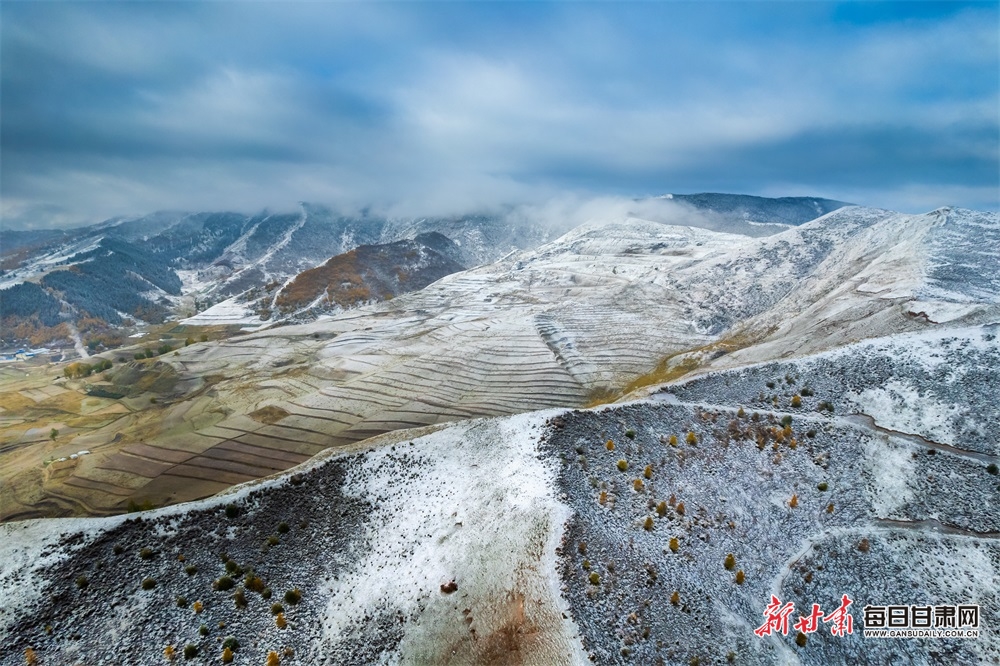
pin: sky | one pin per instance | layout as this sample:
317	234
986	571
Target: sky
423	108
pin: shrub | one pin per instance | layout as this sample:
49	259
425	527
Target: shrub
148	583
223	583
673	440
794	502
610	445
231	643
82	582
277	608
648	472
272	659
254	583
227	655
182	601
233	568
585	565
806	391
796	401
168	652
280	621
622	465
265	593
146	554
675	598
630	433
740	577
190	570
863	545
674	544
829	507
190	651
203	630
582	548
637	485
730	562
197	606
992	469
661	509
602	499
204	337
770	385
282	528
801	639
595	579
825	406
293	596
240	598
648	524
740	413
822	486
786	420
691	438
810	434
118	549
273	540
679	508
232	510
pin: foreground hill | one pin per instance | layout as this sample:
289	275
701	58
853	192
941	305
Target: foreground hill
564	536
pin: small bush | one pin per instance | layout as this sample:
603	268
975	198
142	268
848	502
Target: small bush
190	570
204	337
182	601
197	607
602	499
582	548
273	540
254	583
595	579
769	385
146	554
622	465
232	511
992	469
240	598
824	406
740	413
822	486
233	568
794	502
610	445
730	562
630	433
280	621
661	509
675	598
691	438
82	582
674	544
740	577
648	524
168	652
648	472
796	401
223	583
148	583
293	596
673	440
190	651
801	639
203	630
810	434
118	549
863	545
227	655
679	508
637	485
272	659
283	528
231	643
277	608
585	565
829	507
807	392
265	593
786	420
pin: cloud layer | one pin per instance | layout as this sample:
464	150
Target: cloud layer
419	108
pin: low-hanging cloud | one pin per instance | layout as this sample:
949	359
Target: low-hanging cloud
441	109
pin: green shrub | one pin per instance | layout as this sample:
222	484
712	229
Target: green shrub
691	438
82	582
786	420
146	554
992	469
118	549
240	598
282	528
223	583
822	486
231	643
293	597
190	570
182	601
232	511
630	433
595	579
622	465
148	583
265	593
233	567
730	562
277	608
273	540
203	630
190	651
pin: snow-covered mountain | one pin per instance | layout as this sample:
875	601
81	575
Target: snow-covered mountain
806	414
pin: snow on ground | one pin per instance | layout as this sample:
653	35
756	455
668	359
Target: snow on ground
229	312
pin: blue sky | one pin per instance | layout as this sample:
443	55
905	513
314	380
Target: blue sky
425	108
